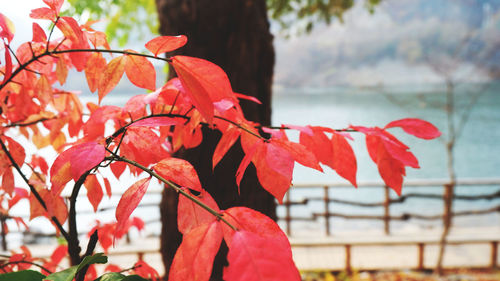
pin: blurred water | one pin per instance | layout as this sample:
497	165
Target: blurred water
477	152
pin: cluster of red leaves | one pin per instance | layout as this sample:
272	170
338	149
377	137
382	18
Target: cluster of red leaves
149	129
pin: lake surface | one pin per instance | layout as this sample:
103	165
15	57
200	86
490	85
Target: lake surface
477	152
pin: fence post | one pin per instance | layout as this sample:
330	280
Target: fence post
420	256
4	234
494	254
387	214
348	267
327	210
288	218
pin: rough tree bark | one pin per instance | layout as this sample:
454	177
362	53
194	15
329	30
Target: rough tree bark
233	34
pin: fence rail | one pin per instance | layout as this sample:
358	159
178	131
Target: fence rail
387	215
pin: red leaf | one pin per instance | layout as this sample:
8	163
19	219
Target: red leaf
195	256
6	28
8	182
111	76
129	201
74	162
277	183
16	150
227	140
178	171
84	157
55	5
204	82
391	170
8	65
59	253
253	221
300	154
417	127
164	44
140	71
94	191
117	168
156	122
94	69
38	33
250	98
344	159
250	259
142	269
401	153
190	215
319	144
107	185
249	154
43	13
279	160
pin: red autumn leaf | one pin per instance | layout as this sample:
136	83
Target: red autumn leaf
279	160
38	33
249	154
204	82
253	221
164	44
227	140
8	65
84	157
19	194
141	72
267	164
117	168
111	76
61	70
250	259
391	170
8	181
401	153
344	160
250	98
156	122
300	154
16	150
55	5
94	191
56	207
94	69
143	145
74	162
59	253
195	256
43	13
417	127
129	201
319	144
190	215
6	28
107	185
142	269
180	172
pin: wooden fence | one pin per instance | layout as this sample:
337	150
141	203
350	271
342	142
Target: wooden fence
387	202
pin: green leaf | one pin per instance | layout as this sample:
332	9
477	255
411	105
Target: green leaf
69	274
24	275
112	276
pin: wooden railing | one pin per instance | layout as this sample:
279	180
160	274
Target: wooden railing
326	200
386	201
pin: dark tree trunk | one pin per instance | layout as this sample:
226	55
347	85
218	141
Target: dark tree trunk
233	34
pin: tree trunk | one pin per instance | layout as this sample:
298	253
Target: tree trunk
233	34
